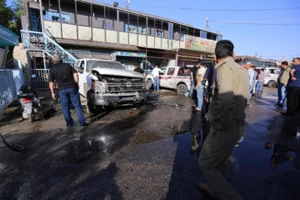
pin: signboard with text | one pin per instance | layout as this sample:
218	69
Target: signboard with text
131	54
199	44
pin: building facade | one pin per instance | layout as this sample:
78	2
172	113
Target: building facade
96	30
258	62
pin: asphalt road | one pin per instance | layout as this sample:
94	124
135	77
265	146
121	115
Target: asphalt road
143	153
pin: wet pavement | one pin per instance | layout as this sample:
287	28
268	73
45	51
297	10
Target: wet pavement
59	164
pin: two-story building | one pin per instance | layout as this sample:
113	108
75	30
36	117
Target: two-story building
90	29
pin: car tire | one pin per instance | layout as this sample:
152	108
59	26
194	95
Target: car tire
149	84
182	89
91	107
272	84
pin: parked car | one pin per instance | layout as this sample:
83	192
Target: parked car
272	76
172	77
108	83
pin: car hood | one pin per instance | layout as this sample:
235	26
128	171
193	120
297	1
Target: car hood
118	72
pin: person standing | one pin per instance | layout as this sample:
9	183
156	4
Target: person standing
67	80
293	87
226	114
193	79
282	81
260	82
199	86
138	69
155	74
251	77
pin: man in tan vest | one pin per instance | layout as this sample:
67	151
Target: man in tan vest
226	114
282	81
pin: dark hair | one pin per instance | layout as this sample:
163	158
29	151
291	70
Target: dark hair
224	49
285	63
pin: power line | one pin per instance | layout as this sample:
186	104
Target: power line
258	21
221	9
246	23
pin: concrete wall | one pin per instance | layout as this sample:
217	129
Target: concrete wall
69	31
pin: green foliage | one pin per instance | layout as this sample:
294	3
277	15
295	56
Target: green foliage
6	16
10	16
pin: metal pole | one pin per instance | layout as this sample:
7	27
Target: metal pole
41	15
118	32
60	19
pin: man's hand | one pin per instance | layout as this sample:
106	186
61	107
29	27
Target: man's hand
53	96
294	78
195	88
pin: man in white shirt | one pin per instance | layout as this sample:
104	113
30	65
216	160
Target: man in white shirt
251	74
155	74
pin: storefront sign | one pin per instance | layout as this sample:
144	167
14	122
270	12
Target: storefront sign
131	54
199	44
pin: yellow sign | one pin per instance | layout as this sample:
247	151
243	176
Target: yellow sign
200	44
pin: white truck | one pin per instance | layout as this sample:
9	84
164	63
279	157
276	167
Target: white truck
108	83
172	77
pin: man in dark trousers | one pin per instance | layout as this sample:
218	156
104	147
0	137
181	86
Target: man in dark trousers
226	114
293	88
66	78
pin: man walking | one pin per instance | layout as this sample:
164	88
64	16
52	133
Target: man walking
226	114
293	87
67	80
282	81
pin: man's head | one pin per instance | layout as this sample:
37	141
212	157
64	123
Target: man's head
199	63
224	49
296	61
248	65
56	58
284	64
135	65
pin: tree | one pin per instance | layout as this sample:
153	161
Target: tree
6	16
18	8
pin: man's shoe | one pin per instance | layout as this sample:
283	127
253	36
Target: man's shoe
84	124
203	188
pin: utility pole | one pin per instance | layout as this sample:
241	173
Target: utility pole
207	25
127	4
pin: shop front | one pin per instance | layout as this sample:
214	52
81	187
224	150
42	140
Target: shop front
128	59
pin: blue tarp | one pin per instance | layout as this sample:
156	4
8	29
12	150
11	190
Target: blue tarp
8	38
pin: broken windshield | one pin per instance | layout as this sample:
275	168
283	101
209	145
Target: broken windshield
103	64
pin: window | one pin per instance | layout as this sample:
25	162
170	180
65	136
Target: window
181	37
142	30
159	33
203	34
171	71
54	16
131	28
219	37
103	64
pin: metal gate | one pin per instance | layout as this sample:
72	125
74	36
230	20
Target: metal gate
39	79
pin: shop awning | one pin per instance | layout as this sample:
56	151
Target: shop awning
8	38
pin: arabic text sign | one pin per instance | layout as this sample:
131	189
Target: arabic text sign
199	44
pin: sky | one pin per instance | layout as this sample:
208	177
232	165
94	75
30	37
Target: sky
246	31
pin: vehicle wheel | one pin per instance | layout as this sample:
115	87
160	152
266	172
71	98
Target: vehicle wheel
91	107
272	84
182	89
149	84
